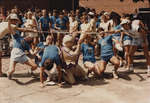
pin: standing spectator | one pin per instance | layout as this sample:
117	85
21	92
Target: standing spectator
61	25
53	22
44	23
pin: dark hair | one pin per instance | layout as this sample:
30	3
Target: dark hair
48	64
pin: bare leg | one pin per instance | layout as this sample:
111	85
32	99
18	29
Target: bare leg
32	64
1	73
126	48
11	68
130	58
116	63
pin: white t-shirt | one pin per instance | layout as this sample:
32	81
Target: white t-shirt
93	24
133	32
73	25
106	26
4	29
85	27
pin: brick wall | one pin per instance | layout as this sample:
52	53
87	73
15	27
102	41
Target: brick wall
114	5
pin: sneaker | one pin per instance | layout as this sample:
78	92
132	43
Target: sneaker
148	73
48	79
50	83
121	63
9	76
115	74
33	75
130	70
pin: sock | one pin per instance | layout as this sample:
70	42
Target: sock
148	67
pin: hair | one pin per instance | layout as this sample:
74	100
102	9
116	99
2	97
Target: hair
48	63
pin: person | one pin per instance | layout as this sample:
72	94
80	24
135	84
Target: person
30	24
50	56
136	30
53	19
45	24
42	46
73	24
106	23
84	28
73	70
61	25
88	51
3	31
107	54
19	46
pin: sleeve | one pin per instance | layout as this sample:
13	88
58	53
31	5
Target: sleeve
58	61
40	20
99	42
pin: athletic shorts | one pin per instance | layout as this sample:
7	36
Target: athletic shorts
22	59
126	40
137	42
106	58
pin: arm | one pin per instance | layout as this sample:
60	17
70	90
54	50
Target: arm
121	38
25	30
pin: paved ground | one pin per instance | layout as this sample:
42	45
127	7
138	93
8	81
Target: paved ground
130	88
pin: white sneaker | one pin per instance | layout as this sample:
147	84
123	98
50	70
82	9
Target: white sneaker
9	76
115	74
130	70
148	72
51	83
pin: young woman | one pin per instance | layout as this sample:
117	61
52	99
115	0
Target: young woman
88	51
107	53
136	30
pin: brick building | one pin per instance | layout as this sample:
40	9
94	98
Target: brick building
47	4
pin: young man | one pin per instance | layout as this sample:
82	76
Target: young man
53	19
45	24
139	37
107	53
5	29
61	25
51	55
19	46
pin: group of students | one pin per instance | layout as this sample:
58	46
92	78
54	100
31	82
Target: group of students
57	42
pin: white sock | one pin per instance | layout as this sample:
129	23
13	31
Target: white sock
148	67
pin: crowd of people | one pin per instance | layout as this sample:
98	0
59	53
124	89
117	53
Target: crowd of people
59	38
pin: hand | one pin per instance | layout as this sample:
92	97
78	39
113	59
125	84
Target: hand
35	31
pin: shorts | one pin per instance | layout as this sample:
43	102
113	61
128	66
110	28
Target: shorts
106	58
137	42
22	59
127	42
